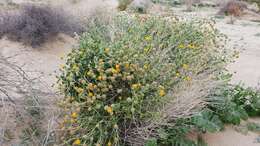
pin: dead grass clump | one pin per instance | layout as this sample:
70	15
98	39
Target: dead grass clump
233	8
33	25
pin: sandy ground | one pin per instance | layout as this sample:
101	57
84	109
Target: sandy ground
243	36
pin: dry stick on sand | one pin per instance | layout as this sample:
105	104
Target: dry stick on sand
17	91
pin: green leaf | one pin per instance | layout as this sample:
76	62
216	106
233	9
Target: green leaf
151	142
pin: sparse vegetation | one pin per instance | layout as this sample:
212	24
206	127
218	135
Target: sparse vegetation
34	25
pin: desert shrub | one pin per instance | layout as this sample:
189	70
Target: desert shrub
168	2
123	73
34	25
234	8
254	1
140	6
123	4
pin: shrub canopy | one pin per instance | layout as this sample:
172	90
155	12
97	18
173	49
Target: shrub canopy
123	72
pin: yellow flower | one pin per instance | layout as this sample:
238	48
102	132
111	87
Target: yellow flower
136	86
177	74
127	65
107	50
146	66
77	142
79	90
73	120
185	66
181	46
146	50
101	61
187	78
99	78
90	73
191	46
74	115
118	68
115	126
90	94
75	68
148	38
114	71
109	109
162	92
109	144
90	86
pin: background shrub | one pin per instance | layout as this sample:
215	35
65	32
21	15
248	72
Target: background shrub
123	4
33	25
234	8
140	6
124	72
254	1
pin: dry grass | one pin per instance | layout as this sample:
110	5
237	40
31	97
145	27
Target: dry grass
34	25
189	100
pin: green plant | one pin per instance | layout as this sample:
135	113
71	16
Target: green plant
124	71
234	103
255	127
247	98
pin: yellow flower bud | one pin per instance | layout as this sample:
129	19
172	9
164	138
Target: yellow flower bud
162	92
77	142
90	94
74	115
109	109
185	66
107	50
109	144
